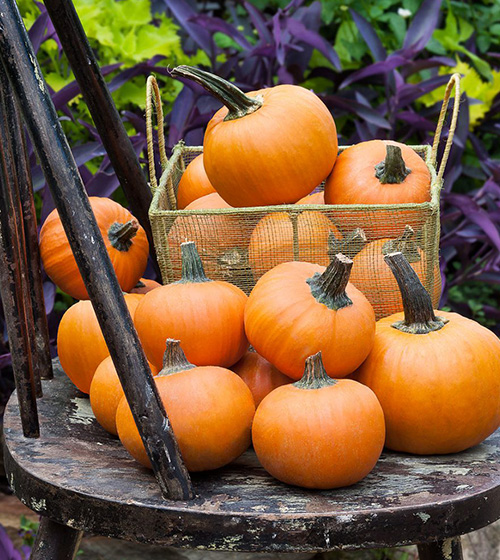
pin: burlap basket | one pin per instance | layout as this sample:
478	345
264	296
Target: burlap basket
238	245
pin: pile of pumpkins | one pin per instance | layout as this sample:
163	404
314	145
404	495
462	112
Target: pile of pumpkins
324	386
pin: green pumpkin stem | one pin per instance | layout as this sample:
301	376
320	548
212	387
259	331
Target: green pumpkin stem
233	98
329	288
417	304
315	376
392	170
350	245
120	235
405	244
192	267
174	359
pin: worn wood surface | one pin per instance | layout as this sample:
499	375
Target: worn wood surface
448	549
78	474
61	173
55	542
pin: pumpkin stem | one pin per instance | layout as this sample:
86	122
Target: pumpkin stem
174	359
192	267
120	235
315	376
404	244
393	169
350	245
329	288
417	304
233	98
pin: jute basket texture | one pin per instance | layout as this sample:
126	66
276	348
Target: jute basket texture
238	245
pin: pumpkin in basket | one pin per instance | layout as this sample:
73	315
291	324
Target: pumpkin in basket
437	377
271	146
372	276
297	309
314	198
194	183
206	315
380	172
144	285
125	241
286	236
210	409
319	432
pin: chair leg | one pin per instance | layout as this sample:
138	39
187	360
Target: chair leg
55	541
448	549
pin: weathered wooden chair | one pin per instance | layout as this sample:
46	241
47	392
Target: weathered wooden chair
65	467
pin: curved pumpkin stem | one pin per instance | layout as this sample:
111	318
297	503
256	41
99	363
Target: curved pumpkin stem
120	235
174	359
192	267
233	98
404	244
417	304
315	376
329	288
393	169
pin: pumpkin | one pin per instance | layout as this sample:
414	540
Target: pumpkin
381	172
194	183
281	237
80	342
260	376
314	198
270	146
372	276
206	315
297	309
125	241
210	409
212	200
144	285
106	392
437	377
319	432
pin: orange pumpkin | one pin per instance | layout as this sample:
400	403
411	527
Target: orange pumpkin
260	376
372	276
271	146
380	172
212	200
80	343
106	392
125	241
319	432
194	183
281	237
144	286
210	409
314	198
436	377
206	315
297	309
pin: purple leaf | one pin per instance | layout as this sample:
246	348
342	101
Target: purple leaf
218	25
382	67
351	106
38	30
408	93
7	550
280	50
370	36
259	23
300	32
422	26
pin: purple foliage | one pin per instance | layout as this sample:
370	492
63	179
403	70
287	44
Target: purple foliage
7	550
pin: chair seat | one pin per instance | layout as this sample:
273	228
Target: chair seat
78	475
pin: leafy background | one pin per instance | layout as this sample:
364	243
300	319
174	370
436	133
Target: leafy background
380	68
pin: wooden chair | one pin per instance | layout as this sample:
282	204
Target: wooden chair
61	464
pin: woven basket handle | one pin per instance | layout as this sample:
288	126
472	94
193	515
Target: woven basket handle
453	83
152	88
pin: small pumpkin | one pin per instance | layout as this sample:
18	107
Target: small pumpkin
106	392
206	315
212	200
381	172
194	183
372	276
125	241
210	409
297	309
80	343
270	146
314	198
437	377
144	285
260	376
286	236
319	432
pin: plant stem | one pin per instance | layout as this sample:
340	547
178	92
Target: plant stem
174	359
393	169
315	376
120	235
329	288
192	267
350	245
404	244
